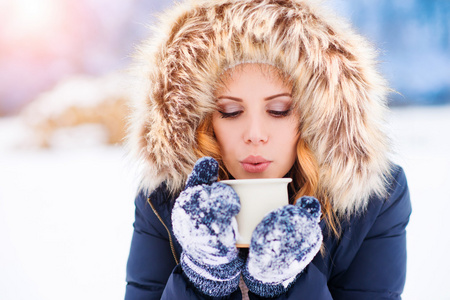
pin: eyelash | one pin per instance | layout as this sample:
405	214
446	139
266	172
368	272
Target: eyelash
233	114
280	114
274	113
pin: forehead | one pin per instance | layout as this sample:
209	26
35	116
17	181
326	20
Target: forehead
253	73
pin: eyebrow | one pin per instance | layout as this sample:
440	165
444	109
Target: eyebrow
265	99
230	98
277	95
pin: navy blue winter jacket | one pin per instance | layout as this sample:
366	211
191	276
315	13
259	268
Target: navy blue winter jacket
368	261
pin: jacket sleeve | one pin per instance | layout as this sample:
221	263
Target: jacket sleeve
150	261
378	268
152	272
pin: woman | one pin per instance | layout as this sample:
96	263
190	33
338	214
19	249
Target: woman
265	89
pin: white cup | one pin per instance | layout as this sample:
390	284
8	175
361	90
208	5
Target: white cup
258	197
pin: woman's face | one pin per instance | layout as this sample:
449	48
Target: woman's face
255	127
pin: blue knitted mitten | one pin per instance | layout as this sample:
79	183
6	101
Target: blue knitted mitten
282	245
203	220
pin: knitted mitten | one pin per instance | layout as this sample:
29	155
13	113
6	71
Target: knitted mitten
203	220
282	245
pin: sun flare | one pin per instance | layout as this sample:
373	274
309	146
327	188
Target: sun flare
31	18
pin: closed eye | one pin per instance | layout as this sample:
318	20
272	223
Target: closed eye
233	114
279	114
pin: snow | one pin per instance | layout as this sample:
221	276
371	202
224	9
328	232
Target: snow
65	221
422	139
66	213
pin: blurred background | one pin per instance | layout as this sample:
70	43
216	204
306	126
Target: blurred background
67	189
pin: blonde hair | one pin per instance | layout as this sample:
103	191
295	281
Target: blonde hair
304	173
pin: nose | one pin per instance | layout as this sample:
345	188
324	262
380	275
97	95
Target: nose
256	131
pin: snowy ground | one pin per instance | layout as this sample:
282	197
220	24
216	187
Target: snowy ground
422	139
66	214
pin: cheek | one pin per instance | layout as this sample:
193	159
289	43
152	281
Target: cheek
226	139
290	142
288	136
223	134
218	129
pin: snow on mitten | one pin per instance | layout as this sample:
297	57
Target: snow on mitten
204	223
282	245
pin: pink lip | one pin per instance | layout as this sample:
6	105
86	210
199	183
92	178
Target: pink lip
255	164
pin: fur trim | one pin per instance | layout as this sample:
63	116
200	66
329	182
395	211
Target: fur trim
337	89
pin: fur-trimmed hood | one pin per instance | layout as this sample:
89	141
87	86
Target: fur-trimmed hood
336	88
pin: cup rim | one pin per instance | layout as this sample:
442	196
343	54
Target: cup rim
256	181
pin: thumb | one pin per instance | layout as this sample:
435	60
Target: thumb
206	171
311	205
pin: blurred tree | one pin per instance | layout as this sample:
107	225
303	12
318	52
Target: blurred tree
42	42
414	39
